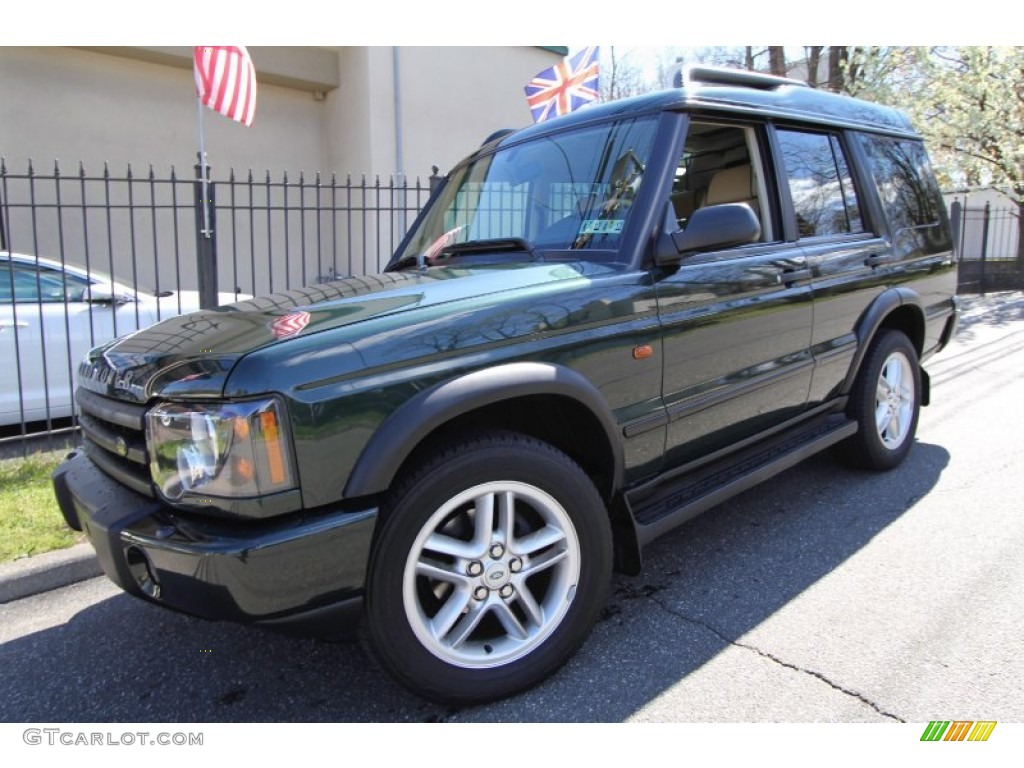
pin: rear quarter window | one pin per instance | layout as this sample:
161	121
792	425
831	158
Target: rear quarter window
909	194
905	182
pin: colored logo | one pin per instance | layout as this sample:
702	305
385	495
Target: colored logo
958	730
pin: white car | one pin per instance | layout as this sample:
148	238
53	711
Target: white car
51	314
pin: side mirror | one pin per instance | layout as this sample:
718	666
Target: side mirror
710	228
104	293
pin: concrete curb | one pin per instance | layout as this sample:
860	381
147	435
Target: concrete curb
52	570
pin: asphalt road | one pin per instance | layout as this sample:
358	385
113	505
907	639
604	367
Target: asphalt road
823	595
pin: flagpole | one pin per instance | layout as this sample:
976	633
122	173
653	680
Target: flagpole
202	172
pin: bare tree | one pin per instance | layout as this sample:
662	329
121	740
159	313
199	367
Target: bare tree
623	78
813	61
838	55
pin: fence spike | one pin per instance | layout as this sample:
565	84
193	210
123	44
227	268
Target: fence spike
152	176
106	170
56	168
231	174
129	174
3	166
81	169
30	171
174	175
250	175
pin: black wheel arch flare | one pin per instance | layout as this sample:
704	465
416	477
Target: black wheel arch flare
898	302
416	419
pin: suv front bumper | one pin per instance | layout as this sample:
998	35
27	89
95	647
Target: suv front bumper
307	571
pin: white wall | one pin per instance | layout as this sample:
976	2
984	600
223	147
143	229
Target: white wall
73	105
330	110
138	106
453	98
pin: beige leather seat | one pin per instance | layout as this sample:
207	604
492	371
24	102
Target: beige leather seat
732	185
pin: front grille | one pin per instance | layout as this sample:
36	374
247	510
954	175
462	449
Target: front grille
115	438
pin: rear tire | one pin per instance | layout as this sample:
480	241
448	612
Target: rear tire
885	402
489	569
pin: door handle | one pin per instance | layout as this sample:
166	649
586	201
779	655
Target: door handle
4	325
789	276
875	260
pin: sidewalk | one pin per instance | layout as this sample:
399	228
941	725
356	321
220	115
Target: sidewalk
41	573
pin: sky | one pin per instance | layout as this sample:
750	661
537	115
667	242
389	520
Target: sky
469	22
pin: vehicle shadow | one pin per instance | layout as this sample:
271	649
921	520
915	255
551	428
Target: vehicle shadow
702	587
720	576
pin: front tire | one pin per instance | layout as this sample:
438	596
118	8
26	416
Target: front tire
885	402
490	566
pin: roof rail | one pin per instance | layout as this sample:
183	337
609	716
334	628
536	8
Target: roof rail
500	133
737	77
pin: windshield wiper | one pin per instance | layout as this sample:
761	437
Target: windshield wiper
493	245
406	261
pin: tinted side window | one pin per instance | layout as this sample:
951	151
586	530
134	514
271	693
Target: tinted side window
823	195
904	180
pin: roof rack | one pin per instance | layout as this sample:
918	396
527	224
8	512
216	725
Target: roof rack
736	77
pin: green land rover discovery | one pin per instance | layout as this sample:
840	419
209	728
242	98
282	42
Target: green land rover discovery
599	327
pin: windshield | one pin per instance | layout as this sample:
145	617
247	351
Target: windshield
566	191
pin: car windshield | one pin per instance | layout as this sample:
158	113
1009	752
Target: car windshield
565	191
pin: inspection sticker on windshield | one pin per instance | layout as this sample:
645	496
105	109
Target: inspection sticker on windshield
601	226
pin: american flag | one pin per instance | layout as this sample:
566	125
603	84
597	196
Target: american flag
564	87
226	80
441	243
289	324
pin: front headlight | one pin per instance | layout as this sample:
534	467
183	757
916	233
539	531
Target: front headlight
227	450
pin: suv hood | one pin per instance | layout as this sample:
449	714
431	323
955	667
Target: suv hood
191	355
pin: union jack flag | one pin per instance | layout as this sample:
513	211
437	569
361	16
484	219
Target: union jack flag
564	87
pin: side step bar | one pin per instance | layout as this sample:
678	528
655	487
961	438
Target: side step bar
668	506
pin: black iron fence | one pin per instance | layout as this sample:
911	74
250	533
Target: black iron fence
989	244
76	247
86	257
